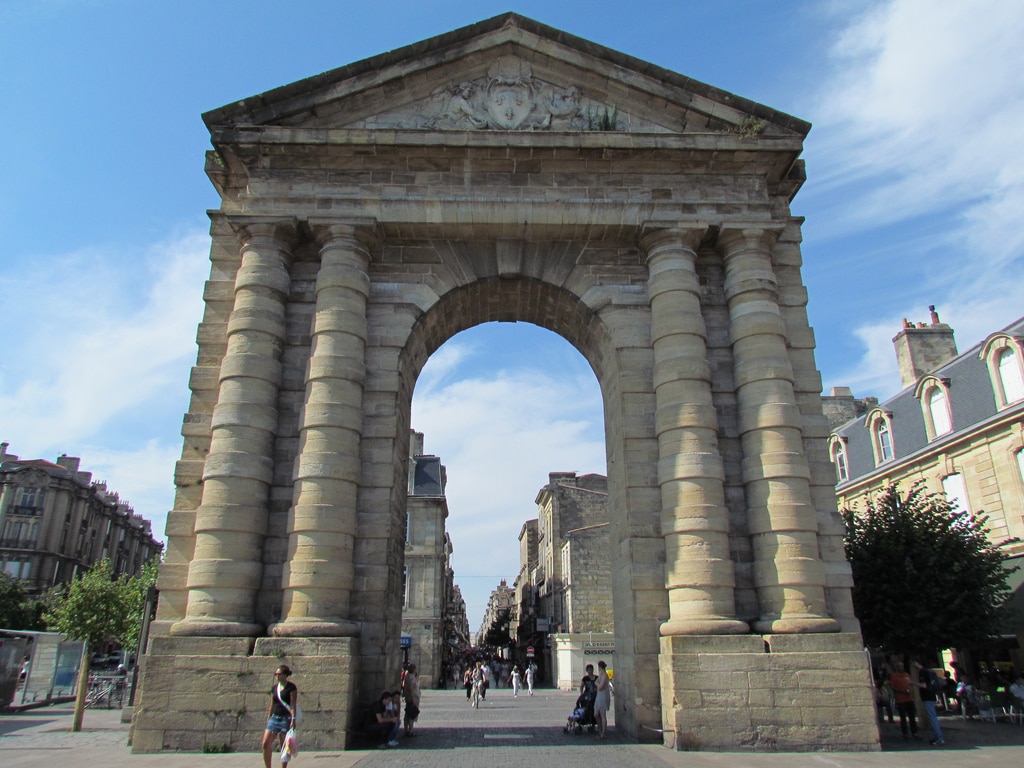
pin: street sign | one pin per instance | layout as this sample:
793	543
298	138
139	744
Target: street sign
529	651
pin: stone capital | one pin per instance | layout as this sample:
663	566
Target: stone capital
656	237
283	231
738	238
358	233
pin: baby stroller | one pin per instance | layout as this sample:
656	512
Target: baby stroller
975	703
582	714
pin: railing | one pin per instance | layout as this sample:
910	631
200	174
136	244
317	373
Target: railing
18	543
25	511
106	691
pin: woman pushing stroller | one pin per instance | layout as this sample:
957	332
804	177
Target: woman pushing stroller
583	713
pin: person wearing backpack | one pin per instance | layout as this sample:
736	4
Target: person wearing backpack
930	686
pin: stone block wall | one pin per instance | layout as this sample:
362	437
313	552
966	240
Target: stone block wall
213	694
589	590
786	693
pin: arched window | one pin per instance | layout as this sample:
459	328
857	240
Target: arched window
837	450
884	441
933	393
1004	355
879	423
1010	376
939	410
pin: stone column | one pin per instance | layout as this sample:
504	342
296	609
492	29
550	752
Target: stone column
699	573
227	568
788	571
320	571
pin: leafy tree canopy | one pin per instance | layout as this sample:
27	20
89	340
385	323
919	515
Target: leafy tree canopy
17	609
925	574
136	588
94	607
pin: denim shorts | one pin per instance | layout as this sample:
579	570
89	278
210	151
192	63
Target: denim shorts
279	723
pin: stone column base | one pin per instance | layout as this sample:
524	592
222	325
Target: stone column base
786	693
211	694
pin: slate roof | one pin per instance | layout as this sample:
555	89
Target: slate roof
971	400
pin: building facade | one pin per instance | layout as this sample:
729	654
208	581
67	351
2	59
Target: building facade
496	622
564	585
957	426
571	504
433	612
55	522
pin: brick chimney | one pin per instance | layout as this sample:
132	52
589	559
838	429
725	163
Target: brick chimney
922	348
70	463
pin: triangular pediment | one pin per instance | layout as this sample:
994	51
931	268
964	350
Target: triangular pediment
508	73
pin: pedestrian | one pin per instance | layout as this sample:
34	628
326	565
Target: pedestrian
515	681
930	687
387	720
530	671
883	692
284	698
467	681
411	690
903	693
1017	690
602	699
485	670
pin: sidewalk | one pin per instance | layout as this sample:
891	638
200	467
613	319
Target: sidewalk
526	732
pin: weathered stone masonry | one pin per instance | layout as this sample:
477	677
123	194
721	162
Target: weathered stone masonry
507	172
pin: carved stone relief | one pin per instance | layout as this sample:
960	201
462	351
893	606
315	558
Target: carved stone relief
509	98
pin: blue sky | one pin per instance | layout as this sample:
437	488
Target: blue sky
914	197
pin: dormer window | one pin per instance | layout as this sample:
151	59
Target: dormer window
1005	357
1010	375
879	423
933	393
837	451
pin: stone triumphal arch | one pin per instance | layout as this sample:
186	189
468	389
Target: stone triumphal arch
506	171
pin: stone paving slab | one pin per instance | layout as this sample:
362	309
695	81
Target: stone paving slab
526	732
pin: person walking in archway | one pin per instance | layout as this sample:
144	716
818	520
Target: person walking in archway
602	699
411	691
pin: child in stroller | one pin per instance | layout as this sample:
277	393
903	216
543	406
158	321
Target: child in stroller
583	713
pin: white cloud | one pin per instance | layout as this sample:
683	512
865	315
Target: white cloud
920	125
101	338
499	436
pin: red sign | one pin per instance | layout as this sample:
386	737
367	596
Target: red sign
529	650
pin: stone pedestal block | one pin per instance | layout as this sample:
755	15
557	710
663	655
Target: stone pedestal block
201	693
785	693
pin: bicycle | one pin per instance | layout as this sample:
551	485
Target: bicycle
97	693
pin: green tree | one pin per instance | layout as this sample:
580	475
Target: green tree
94	608
137	587
497	634
925	574
17	609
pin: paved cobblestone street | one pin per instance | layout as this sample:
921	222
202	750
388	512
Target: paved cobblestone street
526	732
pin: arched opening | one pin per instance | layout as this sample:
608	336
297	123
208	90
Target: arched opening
557	310
503	406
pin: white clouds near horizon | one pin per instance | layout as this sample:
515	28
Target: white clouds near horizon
499	432
100	360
